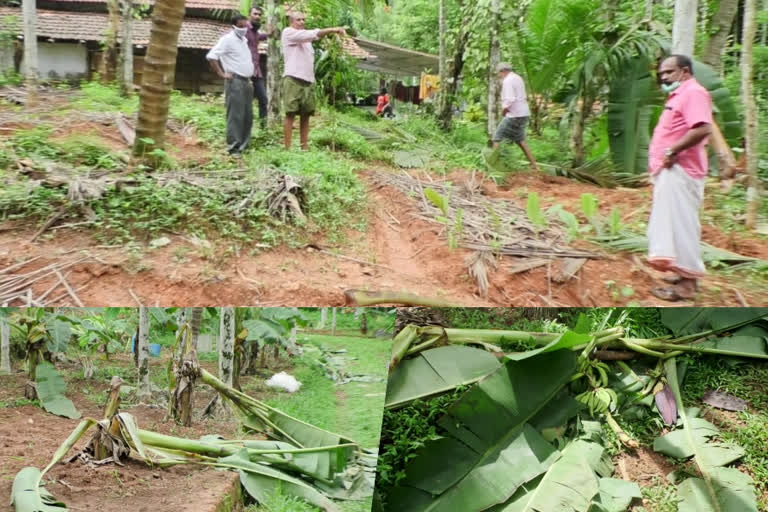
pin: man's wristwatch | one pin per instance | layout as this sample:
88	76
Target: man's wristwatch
669	153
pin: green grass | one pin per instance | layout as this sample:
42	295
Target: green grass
661	497
342	409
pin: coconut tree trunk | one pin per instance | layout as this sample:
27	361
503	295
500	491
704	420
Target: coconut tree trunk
494	57
108	67
126	50
226	344
333	321
684	27
158	75
274	64
31	73
5	346
750	111
142	347
722	23
323	318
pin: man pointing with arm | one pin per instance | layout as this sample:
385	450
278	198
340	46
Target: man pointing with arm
299	75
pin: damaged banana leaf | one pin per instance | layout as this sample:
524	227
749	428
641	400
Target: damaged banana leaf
304	461
491	450
721	489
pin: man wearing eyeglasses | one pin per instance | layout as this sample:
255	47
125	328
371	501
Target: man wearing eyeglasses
678	166
299	75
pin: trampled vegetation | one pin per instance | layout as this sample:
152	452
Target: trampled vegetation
577	409
279	439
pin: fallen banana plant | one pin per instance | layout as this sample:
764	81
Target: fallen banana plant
507	444
721	489
301	460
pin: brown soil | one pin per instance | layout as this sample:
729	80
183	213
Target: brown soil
644	466
29	436
408	253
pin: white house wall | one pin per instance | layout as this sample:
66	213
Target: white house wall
62	60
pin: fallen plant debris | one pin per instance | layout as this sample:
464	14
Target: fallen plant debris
16	287
305	461
527	433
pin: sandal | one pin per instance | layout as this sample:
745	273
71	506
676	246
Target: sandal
671	279
669	294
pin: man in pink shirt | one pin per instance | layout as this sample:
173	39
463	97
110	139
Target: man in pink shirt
678	166
299	75
515	110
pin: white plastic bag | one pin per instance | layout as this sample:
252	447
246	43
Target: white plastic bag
284	381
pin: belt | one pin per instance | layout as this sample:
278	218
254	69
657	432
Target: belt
241	77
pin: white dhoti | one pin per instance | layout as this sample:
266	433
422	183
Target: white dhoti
674	232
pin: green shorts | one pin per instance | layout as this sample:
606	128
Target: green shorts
298	96
512	129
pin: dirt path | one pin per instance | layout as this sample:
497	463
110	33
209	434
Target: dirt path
405	254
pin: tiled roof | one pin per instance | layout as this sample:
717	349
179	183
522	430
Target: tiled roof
89	26
189	4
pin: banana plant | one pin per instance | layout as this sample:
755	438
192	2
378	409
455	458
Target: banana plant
43	332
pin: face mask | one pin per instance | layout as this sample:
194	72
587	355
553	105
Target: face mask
240	32
668	88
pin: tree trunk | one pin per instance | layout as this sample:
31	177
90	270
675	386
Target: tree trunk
455	68
31	70
274	64
363	322
108	66
186	375
195	319
577	137
333	321
494	57
158	75
181	320
226	344
684	27
722	23
323	318
443	70
750	111
764	27
142	347
126	50
648	10
5	346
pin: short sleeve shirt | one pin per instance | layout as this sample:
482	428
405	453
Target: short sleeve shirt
689	105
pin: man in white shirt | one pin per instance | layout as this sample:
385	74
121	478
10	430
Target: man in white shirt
231	60
299	75
515	111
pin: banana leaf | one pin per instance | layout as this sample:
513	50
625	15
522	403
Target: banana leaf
437	371
262	482
256	415
682	321
572	484
27	495
490	450
50	391
720	489
726	114
630	103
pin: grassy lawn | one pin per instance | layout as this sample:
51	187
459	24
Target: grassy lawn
353	409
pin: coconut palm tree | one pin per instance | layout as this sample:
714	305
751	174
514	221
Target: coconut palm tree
494	57
722	22
158	75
